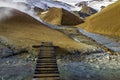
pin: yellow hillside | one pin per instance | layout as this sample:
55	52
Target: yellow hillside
105	22
23	30
58	16
53	16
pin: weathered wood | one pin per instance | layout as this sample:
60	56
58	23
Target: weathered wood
46	66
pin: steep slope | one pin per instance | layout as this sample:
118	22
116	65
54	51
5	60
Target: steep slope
23	30
59	16
105	22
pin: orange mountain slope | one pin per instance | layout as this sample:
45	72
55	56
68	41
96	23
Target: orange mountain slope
60	16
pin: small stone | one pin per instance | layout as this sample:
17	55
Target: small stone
28	56
7	62
113	59
35	59
100	60
14	62
59	61
107	57
94	49
88	76
32	59
104	68
97	66
91	60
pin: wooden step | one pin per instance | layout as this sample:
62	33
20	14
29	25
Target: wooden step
46	44
39	64
50	56
54	69
53	58
47	51
46	75
47	48
46	78
46	60
47	66
46	72
46	55
46	69
43	61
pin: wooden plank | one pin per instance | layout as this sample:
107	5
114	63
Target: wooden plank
46	72
56	78
46	75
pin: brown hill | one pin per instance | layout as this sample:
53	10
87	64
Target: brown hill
23	30
60	16
105	22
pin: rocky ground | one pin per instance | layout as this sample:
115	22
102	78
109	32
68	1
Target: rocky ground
15	67
96	66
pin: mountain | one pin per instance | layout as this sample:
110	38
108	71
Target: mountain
23	30
70	5
45	4
86	11
95	4
105	22
59	16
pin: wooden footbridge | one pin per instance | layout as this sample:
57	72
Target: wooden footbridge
46	66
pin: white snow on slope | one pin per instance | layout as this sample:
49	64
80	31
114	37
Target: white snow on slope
97	5
66	4
19	1
94	4
45	4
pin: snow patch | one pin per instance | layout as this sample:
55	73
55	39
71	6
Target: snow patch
44	12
